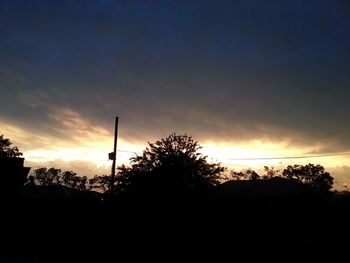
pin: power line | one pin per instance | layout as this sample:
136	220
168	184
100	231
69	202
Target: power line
126	151
263	158
289	157
270	158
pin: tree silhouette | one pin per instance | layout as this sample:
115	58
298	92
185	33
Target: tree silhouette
270	172
44	176
82	182
6	151
100	183
172	163
47	176
13	172
248	174
310	174
70	179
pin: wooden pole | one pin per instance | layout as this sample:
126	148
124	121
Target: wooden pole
114	154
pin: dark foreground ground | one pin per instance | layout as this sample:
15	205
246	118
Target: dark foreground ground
215	229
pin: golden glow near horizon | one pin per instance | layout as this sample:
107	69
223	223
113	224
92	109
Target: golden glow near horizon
256	154
91	143
97	154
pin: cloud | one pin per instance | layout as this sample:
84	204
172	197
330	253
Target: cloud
229	72
77	128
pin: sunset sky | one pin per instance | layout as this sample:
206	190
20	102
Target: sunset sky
247	79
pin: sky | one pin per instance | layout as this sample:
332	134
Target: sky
245	78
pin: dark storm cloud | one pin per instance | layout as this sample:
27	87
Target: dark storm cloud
221	70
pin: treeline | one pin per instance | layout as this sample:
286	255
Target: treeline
53	176
310	174
313	175
172	164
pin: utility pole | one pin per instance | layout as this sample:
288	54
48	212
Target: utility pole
113	155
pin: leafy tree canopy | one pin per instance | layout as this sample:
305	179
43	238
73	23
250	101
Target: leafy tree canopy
172	162
101	183
46	176
248	174
310	174
6	150
54	176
